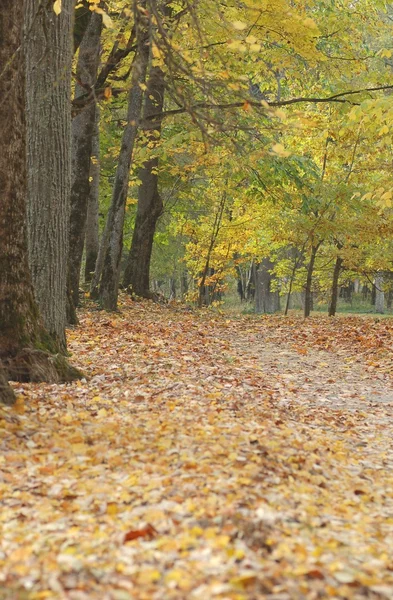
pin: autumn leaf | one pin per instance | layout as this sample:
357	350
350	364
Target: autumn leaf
148	532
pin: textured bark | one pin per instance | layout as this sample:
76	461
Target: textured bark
92	219
112	240
48	79
334	297
83	128
21	330
266	300
150	206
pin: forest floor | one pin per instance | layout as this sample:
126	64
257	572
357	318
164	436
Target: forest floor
204	457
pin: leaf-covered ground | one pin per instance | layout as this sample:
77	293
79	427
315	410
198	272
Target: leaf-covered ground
204	458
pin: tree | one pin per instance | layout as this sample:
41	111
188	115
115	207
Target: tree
83	129
92	218
48	99
27	351
108	262
150	204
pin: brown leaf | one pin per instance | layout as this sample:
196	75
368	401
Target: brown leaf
148	532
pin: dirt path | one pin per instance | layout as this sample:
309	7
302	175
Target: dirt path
203	458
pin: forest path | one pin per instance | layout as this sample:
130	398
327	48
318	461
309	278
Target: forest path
345	377
205	457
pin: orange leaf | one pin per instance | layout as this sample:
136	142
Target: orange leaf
148	532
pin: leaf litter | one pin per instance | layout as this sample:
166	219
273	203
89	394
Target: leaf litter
203	457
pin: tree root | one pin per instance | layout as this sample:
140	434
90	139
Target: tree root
32	365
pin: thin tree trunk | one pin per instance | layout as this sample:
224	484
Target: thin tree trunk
24	344
379	294
203	296
308	291
48	77
92	220
292	279
336	276
83	127
113	236
150	206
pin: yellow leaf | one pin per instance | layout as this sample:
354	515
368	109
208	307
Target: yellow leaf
156	51
57	7
383	130
385	53
310	23
112	509
280	150
367	196
251	39
239	25
148	576
79	448
281	114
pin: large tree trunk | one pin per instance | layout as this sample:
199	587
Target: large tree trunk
23	340
92	219
48	77
150	206
336	276
83	128
112	239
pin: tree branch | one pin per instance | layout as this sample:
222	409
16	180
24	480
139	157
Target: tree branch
341	97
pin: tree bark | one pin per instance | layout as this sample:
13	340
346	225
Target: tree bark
336	276
308	300
83	128
48	77
92	219
112	240
150	206
266	300
24	344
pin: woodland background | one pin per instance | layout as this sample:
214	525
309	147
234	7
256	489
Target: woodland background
166	166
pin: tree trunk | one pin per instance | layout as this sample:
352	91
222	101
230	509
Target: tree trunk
379	294
183	284
266	300
113	235
150	205
92	219
7	395
336	276
251	282
48	78
389	299
83	128
308	299
23	340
